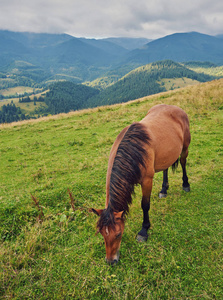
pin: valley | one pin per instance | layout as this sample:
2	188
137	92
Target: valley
118	70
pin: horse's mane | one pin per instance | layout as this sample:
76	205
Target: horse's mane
126	172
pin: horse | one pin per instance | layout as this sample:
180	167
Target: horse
140	150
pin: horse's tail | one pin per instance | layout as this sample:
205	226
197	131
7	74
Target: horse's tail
175	165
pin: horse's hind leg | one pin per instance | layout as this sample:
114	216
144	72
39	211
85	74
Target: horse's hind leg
146	192
183	160
165	185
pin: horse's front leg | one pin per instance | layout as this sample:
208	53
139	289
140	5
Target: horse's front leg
145	204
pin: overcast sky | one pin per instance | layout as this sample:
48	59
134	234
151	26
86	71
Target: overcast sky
113	18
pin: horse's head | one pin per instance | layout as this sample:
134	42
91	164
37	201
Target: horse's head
111	226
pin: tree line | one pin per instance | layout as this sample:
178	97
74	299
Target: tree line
11	113
66	96
28	99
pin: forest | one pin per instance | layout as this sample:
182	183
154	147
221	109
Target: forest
144	81
10	113
65	96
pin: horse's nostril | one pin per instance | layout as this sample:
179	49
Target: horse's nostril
112	262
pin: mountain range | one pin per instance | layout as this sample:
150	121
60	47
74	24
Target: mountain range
58	56
181	47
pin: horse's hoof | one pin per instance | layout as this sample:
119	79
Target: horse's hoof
186	189
161	195
141	238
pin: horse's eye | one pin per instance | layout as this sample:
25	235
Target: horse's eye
118	235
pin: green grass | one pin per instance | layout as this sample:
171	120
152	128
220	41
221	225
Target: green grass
175	83
213	71
16	90
27	107
61	257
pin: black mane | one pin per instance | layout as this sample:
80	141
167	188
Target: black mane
125	174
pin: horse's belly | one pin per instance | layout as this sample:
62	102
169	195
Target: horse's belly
166	156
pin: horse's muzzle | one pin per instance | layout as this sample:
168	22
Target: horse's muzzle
113	261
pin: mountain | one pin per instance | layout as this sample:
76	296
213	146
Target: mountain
180	47
26	46
10	49
129	43
144	81
76	51
49	57
58	53
106	45
220	36
36	40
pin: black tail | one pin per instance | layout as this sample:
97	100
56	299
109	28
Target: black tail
175	165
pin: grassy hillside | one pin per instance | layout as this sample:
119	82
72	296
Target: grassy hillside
61	97
176	83
205	68
50	251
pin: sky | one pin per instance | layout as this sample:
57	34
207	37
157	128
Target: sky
112	18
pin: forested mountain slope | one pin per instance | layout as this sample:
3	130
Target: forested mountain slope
65	96
143	81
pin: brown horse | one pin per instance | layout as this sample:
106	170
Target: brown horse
140	150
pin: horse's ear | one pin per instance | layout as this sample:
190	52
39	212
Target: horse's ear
98	212
119	215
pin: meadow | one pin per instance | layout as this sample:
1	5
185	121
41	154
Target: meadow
48	243
26	107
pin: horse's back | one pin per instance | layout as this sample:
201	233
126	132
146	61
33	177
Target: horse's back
166	111
166	120
168	128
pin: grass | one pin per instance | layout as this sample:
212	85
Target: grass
27	107
57	255
213	71
175	83
16	90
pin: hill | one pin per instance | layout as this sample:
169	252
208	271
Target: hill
55	54
50	249
147	80
62	97
60	56
67	96
220	36
143	81
180	47
129	43
205	68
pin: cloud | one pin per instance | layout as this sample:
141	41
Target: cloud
103	18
